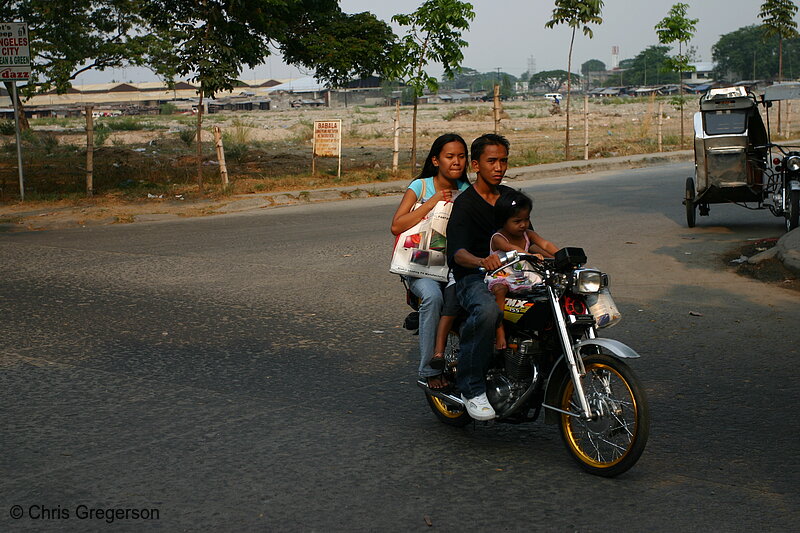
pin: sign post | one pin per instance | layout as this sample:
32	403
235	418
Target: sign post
15	65
327	142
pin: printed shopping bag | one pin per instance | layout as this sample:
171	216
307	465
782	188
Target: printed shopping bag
421	250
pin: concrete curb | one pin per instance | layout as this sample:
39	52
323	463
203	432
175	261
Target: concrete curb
548	170
789	250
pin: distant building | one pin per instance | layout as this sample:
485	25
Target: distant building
703	73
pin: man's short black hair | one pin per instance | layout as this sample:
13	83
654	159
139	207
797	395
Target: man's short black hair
487	139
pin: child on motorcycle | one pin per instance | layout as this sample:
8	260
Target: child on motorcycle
512	213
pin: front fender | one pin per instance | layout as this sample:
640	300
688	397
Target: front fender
616	348
559	372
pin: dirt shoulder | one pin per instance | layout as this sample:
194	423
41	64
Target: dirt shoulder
770	270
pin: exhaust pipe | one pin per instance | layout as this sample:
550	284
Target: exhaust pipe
449	398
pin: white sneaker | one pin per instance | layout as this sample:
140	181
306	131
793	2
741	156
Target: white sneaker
479	407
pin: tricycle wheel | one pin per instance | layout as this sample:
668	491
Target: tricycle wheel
793	213
688	201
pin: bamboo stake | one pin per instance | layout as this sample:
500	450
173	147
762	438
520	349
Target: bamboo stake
89	151
200	141
586	127
223	168
660	125
788	120
496	108
396	148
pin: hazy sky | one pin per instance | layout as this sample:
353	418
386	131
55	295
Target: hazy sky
505	33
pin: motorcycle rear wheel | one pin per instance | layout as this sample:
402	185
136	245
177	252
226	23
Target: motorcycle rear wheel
449	414
611	443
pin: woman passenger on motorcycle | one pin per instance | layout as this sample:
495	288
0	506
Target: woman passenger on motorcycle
443	175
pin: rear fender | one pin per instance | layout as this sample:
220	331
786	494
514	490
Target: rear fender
560	371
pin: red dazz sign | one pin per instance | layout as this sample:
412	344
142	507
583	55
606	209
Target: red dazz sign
8	74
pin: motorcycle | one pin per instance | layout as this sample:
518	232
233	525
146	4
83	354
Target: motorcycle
556	362
786	170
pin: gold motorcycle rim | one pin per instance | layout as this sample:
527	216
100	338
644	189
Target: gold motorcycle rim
590	445
446	409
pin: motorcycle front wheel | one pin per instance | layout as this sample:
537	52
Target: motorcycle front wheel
614	439
793	213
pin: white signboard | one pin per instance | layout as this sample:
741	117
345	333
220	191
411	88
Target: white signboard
327	142
15	54
327	138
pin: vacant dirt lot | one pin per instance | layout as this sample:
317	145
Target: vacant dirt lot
271	150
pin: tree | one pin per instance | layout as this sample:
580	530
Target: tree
648	66
676	27
552	79
342	47
778	16
576	14
433	35
746	53
593	66
213	39
470	79
70	37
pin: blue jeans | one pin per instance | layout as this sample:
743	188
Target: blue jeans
477	334
430	309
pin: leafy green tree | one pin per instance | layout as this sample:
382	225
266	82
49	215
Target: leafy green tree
433	35
213	40
676	27
745	53
342	47
647	68
506	84
593	66
552	79
70	37
576	14
469	79
778	21
778	17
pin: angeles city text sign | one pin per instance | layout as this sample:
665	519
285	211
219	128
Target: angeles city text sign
15	53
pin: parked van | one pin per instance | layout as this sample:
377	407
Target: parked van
554	97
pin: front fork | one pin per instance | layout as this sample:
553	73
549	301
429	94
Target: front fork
575	363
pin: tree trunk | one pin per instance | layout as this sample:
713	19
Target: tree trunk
780	77
680	93
199	141
23	120
569	90
414	138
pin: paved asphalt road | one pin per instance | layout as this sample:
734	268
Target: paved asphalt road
248	372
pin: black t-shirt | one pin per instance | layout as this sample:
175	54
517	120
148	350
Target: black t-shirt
470	227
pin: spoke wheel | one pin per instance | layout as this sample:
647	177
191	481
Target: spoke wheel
614	440
691	208
793	213
451	415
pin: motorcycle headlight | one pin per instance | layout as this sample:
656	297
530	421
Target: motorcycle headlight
588	281
793	163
